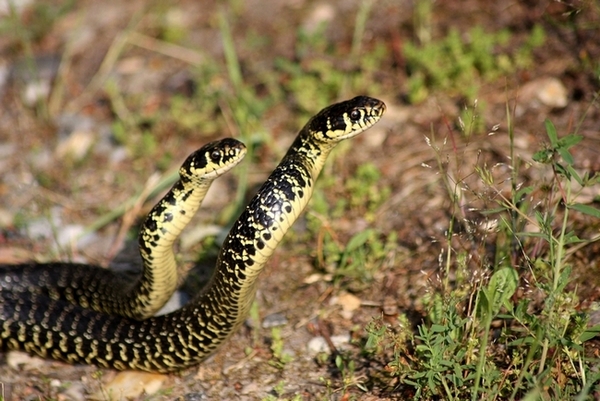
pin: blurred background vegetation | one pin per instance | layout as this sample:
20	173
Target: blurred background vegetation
465	224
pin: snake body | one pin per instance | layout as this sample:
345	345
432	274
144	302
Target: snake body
60	330
102	290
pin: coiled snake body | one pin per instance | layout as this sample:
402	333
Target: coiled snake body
60	330
102	290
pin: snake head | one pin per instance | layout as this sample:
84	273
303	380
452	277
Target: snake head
213	159
345	119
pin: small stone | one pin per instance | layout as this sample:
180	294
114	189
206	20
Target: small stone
35	92
318	345
250	388
390	306
23	361
7	7
553	93
177	300
348	302
322	14
316	277
547	91
76	146
74	392
274	320
194	397
129	384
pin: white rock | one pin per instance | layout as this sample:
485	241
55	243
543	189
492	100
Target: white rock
318	344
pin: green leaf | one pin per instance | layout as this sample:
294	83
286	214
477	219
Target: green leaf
572	238
502	286
560	169
358	240
585	209
574	174
484	304
590	333
563	279
566	156
551	131
569	141
523	192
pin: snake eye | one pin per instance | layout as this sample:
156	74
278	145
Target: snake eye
215	155
355	115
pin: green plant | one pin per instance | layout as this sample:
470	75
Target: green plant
355	263
459	64
479	339
279	391
347	367
366	194
280	357
315	77
556	336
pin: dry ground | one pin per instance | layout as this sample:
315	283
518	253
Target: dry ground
38	183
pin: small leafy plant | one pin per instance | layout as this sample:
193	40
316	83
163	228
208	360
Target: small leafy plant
481	337
458	64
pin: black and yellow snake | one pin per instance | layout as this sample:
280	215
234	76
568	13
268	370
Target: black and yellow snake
61	330
102	290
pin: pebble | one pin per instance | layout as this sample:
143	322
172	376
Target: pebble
194	397
69	234
80	135
37	83
129	384
23	361
322	14
177	300
319	345
546	91
195	234
552	93
250	388
74	392
35	92
17	5
76	146
348	302
317	277
274	320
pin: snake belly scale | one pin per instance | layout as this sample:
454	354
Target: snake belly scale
102	290
60	330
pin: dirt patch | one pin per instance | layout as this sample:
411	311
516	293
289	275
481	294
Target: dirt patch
100	85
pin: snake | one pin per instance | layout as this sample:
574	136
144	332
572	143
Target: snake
102	290
56	329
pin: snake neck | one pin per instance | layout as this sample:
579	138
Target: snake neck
159	232
262	225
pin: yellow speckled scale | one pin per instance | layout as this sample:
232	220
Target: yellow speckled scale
58	329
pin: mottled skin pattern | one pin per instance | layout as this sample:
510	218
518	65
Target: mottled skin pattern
105	291
56	329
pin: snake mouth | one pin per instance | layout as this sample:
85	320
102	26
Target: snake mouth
378	109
